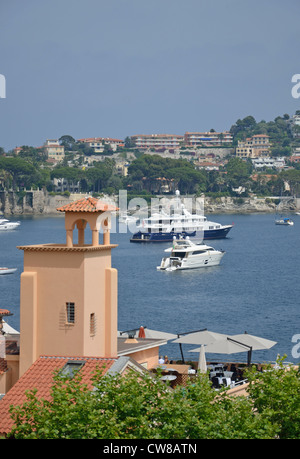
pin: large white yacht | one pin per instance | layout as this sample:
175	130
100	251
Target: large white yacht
162	227
185	254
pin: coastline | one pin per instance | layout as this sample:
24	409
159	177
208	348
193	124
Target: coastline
40	202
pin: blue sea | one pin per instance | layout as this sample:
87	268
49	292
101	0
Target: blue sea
256	288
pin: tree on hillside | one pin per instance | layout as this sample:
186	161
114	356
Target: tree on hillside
153	167
23	174
34	155
292	177
238	172
68	142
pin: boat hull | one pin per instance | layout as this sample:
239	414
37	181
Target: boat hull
159	237
9	226
284	223
202	262
141	236
4	271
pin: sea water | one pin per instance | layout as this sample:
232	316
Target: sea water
256	288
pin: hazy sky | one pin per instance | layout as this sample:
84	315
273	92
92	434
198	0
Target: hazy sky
115	68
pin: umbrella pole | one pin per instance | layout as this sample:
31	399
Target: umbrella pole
249	356
180	346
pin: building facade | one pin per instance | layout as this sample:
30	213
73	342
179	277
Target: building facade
98	143
54	150
157	141
208	139
253	147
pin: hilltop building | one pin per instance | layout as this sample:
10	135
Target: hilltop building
294	125
254	147
54	150
98	143
269	163
157	141
208	139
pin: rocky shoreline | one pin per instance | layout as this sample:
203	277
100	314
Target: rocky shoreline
229	205
39	202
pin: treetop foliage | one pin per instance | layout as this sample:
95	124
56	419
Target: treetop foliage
143	407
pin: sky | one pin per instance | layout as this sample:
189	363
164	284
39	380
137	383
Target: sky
116	68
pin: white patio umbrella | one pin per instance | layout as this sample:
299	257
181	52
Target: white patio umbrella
256	342
237	343
223	346
202	367
156	334
150	334
198	337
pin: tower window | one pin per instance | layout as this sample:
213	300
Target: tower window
92	324
70	312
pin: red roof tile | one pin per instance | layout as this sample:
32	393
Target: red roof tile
87	204
40	376
5	312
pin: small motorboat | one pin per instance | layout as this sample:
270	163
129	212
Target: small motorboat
7	270
6	225
185	254
284	221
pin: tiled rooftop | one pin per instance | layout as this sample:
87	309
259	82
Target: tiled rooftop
87	204
40	376
4	312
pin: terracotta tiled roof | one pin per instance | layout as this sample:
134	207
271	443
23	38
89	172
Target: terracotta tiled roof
40	376
5	312
87	204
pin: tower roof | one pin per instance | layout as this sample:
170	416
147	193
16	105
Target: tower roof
88	204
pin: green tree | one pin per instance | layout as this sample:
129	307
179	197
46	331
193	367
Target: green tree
142	407
23	174
238	172
68	142
33	155
276	397
292	177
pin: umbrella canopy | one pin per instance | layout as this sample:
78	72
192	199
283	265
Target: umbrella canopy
238	343
200	337
144	332
223	346
255	342
202	367
156	334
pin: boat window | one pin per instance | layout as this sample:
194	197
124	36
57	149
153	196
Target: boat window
178	254
198	252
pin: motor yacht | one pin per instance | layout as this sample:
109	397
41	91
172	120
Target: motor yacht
162	227
185	254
